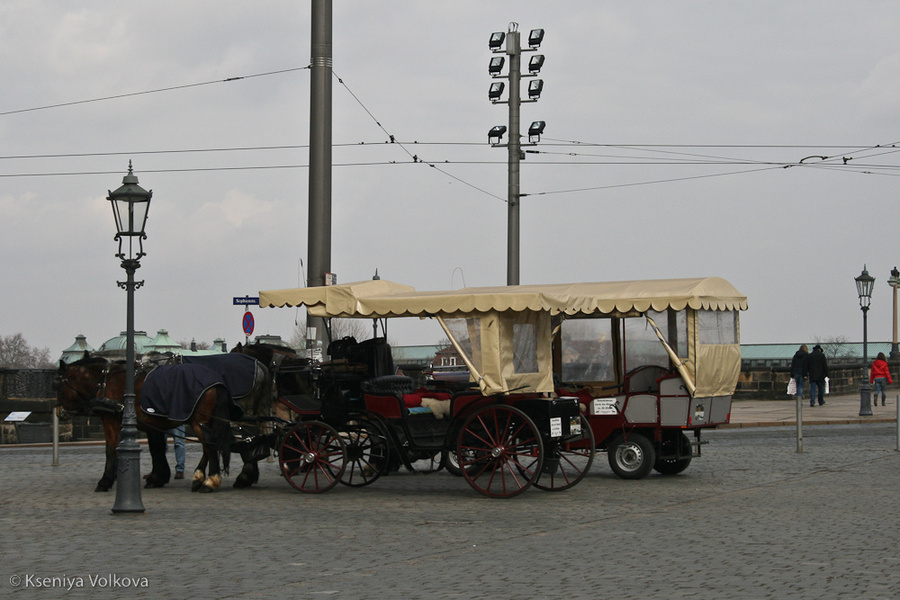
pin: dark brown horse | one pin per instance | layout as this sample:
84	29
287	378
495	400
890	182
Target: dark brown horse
96	386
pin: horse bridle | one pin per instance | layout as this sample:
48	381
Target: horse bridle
85	400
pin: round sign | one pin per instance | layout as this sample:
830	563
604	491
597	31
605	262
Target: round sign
247	323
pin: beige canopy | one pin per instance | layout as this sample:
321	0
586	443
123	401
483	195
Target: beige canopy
508	328
380	298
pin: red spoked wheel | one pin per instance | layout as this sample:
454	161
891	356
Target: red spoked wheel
313	457
500	451
567	460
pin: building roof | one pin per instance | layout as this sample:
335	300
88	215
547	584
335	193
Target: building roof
76	351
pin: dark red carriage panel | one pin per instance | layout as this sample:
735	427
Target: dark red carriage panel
387	406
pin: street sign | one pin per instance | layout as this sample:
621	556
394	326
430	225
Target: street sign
247	301
247	323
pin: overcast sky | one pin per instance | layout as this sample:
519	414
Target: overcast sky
671	128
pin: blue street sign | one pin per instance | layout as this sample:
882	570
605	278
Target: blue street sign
247	301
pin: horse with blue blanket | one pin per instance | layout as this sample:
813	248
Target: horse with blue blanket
165	397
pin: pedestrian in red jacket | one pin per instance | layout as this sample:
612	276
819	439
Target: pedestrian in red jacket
881	375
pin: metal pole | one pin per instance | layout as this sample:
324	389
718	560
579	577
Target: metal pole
799	423
128	472
895	349
514	50
319	227
865	390
54	420
898	423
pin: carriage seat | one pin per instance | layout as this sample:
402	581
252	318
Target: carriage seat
394	397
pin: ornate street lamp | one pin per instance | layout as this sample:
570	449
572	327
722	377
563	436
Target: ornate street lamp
130	204
864	285
894	282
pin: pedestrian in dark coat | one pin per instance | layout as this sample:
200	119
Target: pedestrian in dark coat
798	368
817	371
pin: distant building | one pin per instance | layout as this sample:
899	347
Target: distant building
76	351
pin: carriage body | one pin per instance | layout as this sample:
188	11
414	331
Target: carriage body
544	393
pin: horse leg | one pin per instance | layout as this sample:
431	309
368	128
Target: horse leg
111	428
160	473
217	437
199	473
213	480
248	476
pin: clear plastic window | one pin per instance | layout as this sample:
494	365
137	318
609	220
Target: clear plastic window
673	325
587	350
466	332
525	348
642	346
717	326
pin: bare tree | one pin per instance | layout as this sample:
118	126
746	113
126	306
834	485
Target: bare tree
835	348
357	328
15	353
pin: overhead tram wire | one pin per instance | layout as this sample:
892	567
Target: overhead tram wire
156	91
415	158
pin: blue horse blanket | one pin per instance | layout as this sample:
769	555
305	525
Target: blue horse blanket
173	391
238	372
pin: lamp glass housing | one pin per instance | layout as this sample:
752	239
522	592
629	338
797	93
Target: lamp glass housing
496	90
864	285
496	40
536	128
535	37
130	205
535	63
535	87
496	65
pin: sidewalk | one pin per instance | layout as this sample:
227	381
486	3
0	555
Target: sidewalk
838	410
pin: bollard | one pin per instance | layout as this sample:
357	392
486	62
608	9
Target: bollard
799	423
55	420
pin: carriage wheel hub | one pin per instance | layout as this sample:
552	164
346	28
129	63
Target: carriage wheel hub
309	458
496	452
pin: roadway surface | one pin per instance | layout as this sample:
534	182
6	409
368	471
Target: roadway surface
750	519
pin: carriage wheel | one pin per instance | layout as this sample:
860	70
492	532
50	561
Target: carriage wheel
632	458
367	451
500	451
567	460
673	466
313	457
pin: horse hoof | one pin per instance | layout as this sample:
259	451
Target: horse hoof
242	482
205	489
196	485
101	488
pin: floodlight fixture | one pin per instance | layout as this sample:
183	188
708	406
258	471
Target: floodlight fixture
496	133
535	130
495	43
535	37
535	64
496	91
535	87
495	67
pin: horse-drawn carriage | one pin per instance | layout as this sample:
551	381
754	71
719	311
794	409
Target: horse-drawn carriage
555	372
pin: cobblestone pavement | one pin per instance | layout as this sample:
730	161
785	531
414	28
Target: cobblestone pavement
750	519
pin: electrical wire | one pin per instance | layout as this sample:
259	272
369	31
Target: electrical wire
156	91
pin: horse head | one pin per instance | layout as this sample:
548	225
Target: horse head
81	386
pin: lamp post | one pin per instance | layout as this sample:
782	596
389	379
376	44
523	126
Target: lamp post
894	282
130	204
864	285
